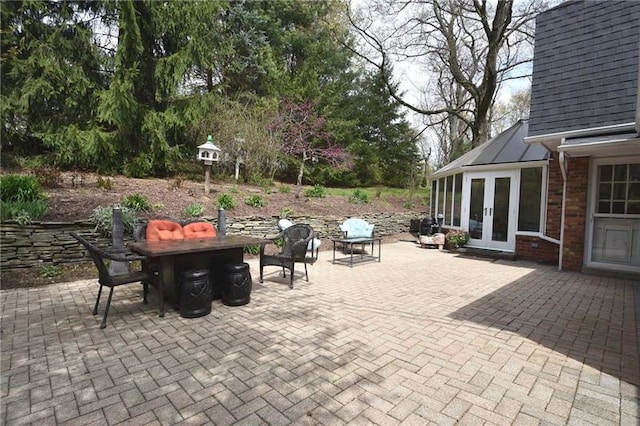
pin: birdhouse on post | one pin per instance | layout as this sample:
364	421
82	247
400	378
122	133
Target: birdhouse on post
208	153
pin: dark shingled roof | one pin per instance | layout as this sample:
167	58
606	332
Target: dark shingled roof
507	147
585	67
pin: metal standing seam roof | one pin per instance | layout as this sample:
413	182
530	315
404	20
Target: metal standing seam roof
507	147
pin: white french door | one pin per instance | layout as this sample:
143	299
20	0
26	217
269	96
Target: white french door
489	211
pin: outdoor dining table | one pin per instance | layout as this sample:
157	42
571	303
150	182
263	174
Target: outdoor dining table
175	256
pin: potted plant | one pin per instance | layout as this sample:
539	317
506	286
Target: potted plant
457	238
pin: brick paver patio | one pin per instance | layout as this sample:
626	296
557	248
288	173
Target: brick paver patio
424	337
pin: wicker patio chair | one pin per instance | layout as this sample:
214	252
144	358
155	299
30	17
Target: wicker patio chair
294	249
106	279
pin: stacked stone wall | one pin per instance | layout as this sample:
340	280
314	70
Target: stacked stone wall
51	243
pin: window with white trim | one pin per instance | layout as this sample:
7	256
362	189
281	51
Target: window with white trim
618	189
449	204
529	211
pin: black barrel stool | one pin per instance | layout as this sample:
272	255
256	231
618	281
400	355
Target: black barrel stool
236	288
195	293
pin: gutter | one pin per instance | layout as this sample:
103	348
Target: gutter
550	140
563	169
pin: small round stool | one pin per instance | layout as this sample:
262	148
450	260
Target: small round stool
236	288
195	293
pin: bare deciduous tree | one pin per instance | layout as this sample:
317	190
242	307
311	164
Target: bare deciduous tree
465	48
505	114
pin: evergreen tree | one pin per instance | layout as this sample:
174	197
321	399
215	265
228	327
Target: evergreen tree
384	146
51	73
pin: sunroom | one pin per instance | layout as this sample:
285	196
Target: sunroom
496	191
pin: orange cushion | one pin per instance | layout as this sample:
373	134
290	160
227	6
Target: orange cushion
160	230
199	230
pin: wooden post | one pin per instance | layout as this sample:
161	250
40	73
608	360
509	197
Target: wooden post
207	178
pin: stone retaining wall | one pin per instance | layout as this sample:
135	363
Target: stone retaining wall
50	243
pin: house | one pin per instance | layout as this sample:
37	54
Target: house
572	198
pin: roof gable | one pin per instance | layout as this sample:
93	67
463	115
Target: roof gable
585	68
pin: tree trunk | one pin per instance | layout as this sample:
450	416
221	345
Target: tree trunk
300	175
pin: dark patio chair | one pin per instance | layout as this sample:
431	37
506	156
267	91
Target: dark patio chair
294	249
106	279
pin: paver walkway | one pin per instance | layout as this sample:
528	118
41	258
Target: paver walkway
424	337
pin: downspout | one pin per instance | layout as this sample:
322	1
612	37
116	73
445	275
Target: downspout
563	169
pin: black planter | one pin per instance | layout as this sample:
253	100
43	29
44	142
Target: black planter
236	288
428	226
195	293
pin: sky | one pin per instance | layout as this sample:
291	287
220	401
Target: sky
411	77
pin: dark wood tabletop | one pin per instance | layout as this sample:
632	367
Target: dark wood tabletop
176	247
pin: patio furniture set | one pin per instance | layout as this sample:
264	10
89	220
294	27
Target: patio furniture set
191	264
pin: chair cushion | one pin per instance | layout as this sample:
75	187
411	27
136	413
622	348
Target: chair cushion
199	230
161	230
313	244
284	224
357	228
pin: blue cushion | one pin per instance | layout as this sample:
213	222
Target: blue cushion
357	228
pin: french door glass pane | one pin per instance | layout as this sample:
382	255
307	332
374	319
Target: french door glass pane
501	209
476	217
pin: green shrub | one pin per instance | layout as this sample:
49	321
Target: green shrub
266	185
255	201
195	210
457	237
408	204
286	212
20	188
23	212
359	197
102	218
279	243
105	183
49	271
317	191
137	202
139	167
22	199
253	249
285	189
226	201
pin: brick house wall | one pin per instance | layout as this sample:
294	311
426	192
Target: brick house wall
554	198
536	249
539	250
575	213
